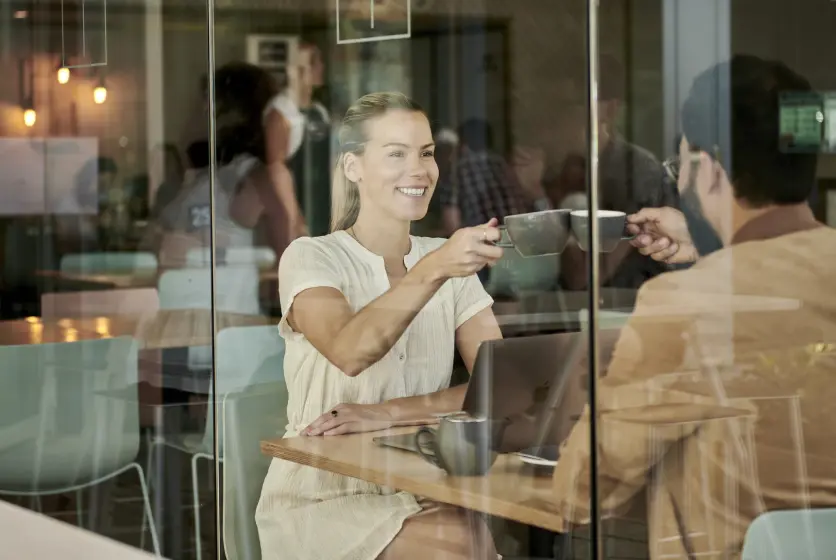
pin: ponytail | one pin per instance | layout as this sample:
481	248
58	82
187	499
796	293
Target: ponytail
345	194
345	199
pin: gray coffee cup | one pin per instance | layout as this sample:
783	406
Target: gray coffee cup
462	445
536	233
611	229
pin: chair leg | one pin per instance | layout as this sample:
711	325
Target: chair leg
196	504
146	500
79	510
149	464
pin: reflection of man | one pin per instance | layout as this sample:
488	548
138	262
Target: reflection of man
717	399
630	178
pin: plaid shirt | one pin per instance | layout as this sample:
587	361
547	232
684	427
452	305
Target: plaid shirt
482	186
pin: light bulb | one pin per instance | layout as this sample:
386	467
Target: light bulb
100	94
63	75
29	117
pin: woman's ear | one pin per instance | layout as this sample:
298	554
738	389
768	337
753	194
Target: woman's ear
352	168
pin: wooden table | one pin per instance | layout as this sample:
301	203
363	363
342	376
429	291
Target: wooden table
142	278
511	489
170	328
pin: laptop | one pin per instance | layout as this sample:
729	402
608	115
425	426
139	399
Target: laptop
533	383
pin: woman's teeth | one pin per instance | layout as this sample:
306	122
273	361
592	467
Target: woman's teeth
411	192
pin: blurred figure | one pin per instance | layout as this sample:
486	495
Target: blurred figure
298	131
717	399
171	171
630	178
97	189
482	184
244	189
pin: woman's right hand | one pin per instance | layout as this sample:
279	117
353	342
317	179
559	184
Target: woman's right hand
468	251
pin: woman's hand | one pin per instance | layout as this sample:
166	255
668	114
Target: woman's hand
349	419
467	251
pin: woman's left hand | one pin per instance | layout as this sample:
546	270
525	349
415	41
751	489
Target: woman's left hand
350	418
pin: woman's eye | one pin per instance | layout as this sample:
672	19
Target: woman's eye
396	154
429	153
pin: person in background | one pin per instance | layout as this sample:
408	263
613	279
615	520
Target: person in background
244	190
482	185
372	318
630	178
298	132
717	401
171	170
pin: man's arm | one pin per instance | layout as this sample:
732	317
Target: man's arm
631	436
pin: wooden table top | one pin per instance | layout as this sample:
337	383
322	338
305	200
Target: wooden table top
511	489
170	328
142	278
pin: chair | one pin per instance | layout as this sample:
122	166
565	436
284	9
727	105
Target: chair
100	302
260	257
247	359
806	534
249	416
108	262
63	430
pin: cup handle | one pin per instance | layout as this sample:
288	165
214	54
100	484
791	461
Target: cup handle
625	236
434	458
504	233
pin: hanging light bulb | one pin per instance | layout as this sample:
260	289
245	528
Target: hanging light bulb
100	92
29	117
63	75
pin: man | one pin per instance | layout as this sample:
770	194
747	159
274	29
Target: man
716	404
482	185
630	178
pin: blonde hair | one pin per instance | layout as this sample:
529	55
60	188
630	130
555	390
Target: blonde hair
345	195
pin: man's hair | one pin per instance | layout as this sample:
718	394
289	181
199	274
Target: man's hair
476	134
760	172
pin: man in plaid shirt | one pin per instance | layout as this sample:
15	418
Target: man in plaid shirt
482	185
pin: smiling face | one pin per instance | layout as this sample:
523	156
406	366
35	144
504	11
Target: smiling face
397	172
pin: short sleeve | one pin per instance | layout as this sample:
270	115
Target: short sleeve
305	264
470	298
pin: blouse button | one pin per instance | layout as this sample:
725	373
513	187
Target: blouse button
401	357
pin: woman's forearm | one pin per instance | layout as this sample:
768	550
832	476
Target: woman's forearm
425	408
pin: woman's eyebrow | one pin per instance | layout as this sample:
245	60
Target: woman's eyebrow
402	145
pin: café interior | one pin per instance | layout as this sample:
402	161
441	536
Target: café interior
142	386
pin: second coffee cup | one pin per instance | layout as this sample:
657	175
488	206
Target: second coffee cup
611	229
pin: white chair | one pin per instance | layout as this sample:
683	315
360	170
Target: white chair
805	534
108	262
63	430
260	257
247	358
100	302
249	416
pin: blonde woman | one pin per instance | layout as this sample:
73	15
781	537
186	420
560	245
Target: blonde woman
372	318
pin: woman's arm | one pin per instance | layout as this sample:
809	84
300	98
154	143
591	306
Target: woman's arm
354	341
411	411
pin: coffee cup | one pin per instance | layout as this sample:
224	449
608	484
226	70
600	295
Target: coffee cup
611	229
462	445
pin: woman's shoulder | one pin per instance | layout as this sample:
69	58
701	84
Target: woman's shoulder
325	246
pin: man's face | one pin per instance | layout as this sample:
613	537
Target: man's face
311	68
703	185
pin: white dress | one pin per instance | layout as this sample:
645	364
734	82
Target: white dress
310	514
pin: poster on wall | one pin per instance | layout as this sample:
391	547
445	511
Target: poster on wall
48	176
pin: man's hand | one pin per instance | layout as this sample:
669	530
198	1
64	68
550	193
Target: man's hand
662	234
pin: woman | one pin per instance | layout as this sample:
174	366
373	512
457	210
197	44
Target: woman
298	139
371	316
